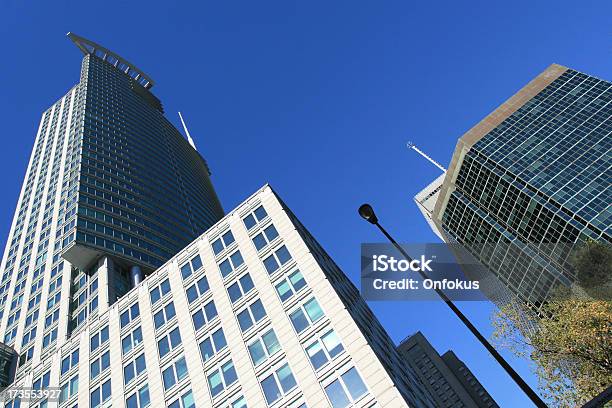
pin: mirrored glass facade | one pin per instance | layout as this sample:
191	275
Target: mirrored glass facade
532	180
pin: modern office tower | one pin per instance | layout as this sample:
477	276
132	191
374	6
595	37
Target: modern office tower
112	191
532	180
447	378
252	313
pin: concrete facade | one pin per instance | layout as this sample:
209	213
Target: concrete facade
360	368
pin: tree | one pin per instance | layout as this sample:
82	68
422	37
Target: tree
571	338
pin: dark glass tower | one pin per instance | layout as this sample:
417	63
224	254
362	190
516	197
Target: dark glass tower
143	191
112	191
532	180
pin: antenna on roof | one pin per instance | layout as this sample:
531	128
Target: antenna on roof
187	132
419	151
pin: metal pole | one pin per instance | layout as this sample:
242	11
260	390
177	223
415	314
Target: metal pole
535	398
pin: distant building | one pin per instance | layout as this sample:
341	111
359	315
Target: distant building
447	378
529	182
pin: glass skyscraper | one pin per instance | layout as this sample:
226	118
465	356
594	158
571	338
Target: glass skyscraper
532	180
112	191
125	285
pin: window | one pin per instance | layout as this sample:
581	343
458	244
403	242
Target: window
306	315
241	287
256	216
174	373
348	388
263	347
290	285
98	339
99	365
169	342
132	313
164	315
190	267
324	349
198	289
69	389
100	394
134	368
277	384
159	291
280	257
230	263
221	378
262	239
131	340
69	362
213	344
222	242
203	316
251	315
42	382
185	401
139	399
239	403
49	338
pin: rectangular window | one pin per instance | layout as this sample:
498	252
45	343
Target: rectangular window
134	368
277	384
174	373
139	399
159	291
239	403
49	338
263	347
69	389
262	239
231	263
98	339
129	315
306	315
345	390
42	382
204	315
164	315
190	267
69	362
51	318
223	242
290	285
131	340
251	315
100	364
213	344
221	378
324	349
242	286
280	257
198	289
169	342
185	401
100	394
255	217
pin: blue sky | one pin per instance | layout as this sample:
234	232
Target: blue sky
318	98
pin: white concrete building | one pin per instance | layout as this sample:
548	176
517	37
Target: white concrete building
252	313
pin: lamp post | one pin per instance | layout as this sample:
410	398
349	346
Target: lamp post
367	213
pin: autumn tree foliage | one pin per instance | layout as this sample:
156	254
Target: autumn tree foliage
570	341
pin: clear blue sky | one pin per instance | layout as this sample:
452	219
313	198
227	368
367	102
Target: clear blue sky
316	97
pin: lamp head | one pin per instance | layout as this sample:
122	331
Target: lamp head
367	213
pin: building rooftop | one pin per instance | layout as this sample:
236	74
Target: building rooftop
90	47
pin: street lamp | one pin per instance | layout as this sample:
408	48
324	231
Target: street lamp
367	213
